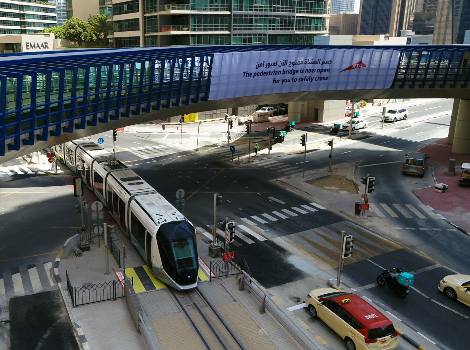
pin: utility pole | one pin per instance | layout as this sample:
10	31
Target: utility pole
330	143
197	140
352	118
340	262
181	127
383	115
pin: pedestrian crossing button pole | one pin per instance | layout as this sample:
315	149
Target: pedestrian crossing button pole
214	248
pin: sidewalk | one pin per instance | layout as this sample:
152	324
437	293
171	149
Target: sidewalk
454	204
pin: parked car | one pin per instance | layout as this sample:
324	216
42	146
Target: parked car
465	175
357	123
358	323
456	287
395	114
266	110
414	164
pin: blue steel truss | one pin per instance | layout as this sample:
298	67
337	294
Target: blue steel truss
44	95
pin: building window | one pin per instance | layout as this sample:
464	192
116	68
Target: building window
128	25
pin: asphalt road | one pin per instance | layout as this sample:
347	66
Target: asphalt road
248	196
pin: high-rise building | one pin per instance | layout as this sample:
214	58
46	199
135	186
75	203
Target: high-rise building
84	8
425	17
386	16
26	17
453	18
61	7
344	24
224	22
342	6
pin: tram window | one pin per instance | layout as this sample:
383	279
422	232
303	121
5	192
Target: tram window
110	198
122	212
183	250
98	182
138	231
115	204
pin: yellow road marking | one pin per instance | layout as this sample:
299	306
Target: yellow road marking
137	284
320	340
202	275
156	283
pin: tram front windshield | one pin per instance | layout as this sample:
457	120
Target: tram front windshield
183	251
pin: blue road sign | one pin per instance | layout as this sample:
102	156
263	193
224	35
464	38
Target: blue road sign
232	149
100	141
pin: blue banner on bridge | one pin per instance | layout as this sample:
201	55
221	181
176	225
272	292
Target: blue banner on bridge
238	74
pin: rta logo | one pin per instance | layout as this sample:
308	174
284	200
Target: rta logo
354	66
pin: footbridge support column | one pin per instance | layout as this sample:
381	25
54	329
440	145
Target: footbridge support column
453	120
461	142
316	110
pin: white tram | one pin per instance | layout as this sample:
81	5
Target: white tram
165	239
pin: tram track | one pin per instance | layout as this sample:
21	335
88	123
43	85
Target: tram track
207	322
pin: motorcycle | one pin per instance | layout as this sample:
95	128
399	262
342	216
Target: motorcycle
397	280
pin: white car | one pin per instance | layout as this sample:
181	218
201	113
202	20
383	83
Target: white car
357	123
245	118
266	110
395	114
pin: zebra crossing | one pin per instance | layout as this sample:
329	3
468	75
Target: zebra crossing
402	210
277	166
29	279
248	230
146	152
21	169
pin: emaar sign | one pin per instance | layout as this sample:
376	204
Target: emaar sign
238	74
31	43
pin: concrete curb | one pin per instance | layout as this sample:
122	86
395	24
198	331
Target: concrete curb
81	337
55	266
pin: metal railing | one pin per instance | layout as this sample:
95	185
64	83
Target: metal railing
90	292
223	269
194	7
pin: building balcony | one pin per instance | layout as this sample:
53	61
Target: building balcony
191	29
179	9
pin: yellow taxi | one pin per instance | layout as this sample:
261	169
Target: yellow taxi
359	324
456	287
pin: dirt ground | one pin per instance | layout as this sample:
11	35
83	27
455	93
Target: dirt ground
337	183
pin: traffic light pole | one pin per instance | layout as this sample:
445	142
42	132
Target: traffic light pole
341	260
228	131
214	228
249	142
352	118
331	156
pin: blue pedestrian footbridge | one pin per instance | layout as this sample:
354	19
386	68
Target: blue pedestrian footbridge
48	98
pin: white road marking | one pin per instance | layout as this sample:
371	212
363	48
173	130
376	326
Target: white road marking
205	233
276	200
309	208
370	165
16	170
388	312
289	212
415	211
252	233
248	221
376	210
402	211
257	218
317	206
34	278
372	262
269	217
26	169
388	210
282	216
301	211
47	267
421	334
297	307
428	210
17	284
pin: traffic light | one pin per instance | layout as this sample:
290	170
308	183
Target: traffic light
330	143
364	180
303	139
114	135
230	123
347	246
370	186
248	127
229	231
218	199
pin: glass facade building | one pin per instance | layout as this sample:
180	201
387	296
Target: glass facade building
217	22
26	16
342	6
